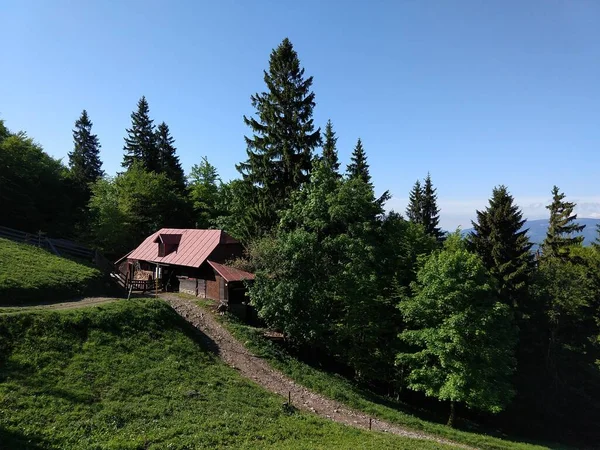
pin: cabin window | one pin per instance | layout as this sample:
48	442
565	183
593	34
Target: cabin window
161	249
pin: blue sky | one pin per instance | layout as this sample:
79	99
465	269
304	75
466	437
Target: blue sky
478	93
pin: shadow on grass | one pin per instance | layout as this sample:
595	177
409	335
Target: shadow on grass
12	439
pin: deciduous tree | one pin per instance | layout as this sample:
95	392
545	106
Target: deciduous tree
461	336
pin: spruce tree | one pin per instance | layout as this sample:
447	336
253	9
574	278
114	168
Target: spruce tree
330	155
502	244
168	160
84	161
359	168
561	227
431	212
283	136
414	210
140	143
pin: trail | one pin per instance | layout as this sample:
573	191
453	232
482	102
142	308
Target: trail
81	303
250	366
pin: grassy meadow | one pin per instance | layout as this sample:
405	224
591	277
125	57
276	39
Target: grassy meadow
31	274
134	375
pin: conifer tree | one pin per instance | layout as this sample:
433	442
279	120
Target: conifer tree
84	161
502	243
330	155
414	210
430	211
283	136
359	168
140	143
562	227
168	160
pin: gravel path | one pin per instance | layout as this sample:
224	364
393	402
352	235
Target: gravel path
237	356
87	301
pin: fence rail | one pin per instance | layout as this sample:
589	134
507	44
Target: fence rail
60	247
145	285
64	247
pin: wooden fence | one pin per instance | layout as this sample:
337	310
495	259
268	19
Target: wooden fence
60	247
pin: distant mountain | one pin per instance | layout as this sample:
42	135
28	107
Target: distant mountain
539	227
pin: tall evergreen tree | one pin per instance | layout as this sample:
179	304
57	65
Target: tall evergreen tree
502	243
140	143
168	160
283	140
414	210
562	227
84	161
431	212
330	155
359	168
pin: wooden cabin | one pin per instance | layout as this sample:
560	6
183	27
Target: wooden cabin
191	261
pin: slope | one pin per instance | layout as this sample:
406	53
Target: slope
133	375
30	274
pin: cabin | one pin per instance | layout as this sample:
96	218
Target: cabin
190	261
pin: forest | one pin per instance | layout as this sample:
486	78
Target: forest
481	326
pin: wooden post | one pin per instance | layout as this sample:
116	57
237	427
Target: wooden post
289	398
370	423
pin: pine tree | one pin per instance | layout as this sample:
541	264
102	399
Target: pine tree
283	140
84	161
359	168
140	143
430	211
330	155
414	210
502	244
562	227
168	160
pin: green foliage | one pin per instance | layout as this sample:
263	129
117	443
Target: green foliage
414	210
29	274
330	154
205	193
461	336
559	378
134	375
168	161
502	244
431	212
346	391
128	208
561	227
318	278
140	143
422	208
34	189
283	140
84	161
358	167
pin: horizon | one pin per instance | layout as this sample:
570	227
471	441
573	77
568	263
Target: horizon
478	95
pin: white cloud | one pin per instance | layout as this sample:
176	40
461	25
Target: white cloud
459	213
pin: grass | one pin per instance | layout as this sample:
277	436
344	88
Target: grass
30	274
134	375
343	390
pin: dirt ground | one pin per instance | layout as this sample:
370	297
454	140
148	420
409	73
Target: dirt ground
80	303
250	366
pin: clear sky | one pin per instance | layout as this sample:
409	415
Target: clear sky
478	93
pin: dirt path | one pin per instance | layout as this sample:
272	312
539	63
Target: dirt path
84	302
255	368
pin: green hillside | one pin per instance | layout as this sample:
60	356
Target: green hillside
134	375
30	274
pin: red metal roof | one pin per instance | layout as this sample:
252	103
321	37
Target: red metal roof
193	249
231	273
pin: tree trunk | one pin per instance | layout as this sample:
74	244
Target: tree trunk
452	415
